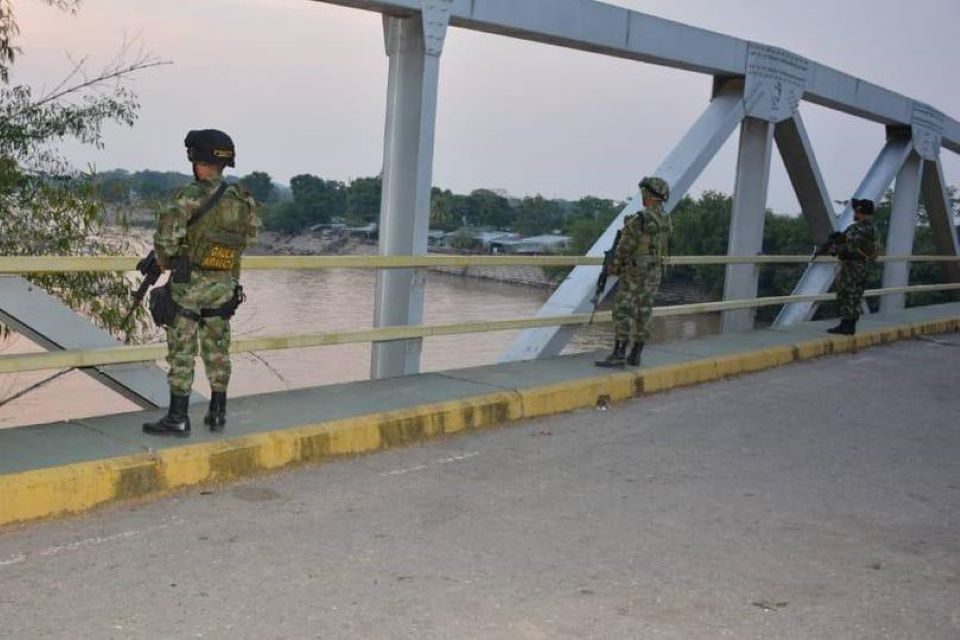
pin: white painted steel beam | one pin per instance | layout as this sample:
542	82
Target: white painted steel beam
413	47
819	276
804	172
593	26
48	322
746	223
680	169
940	215
902	229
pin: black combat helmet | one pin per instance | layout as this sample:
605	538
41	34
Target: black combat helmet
210	145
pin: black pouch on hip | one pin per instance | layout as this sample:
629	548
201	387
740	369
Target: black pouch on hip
163	309
181	269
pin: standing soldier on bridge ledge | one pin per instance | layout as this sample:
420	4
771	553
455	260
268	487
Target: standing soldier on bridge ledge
638	261
855	247
200	240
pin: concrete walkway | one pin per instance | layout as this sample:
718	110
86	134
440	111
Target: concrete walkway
814	501
64	468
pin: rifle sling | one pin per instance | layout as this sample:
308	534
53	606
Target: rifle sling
208	205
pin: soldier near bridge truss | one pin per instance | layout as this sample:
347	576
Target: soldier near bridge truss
638	262
856	248
200	240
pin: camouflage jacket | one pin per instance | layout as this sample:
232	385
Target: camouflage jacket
643	242
860	243
171	237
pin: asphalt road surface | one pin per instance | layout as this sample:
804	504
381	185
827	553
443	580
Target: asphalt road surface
819	500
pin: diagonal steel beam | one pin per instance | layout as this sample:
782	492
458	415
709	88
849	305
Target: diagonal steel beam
804	172
819	276
941	216
680	169
51	324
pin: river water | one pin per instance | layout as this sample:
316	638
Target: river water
284	302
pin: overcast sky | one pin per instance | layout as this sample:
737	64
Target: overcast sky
300	86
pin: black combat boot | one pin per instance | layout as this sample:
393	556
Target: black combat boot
634	358
216	416
175	423
845	328
615	359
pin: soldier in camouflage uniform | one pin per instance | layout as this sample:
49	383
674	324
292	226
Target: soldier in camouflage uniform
856	248
638	261
200	239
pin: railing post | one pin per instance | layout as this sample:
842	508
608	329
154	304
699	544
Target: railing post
413	46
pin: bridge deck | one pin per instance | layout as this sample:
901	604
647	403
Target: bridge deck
53	469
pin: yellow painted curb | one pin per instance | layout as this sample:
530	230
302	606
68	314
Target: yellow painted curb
79	487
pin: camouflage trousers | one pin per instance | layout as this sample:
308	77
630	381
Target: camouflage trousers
633	304
851	282
213	335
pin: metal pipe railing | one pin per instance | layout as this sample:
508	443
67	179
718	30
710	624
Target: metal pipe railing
88	264
128	354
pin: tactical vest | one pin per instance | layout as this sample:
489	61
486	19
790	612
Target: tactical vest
654	245
217	240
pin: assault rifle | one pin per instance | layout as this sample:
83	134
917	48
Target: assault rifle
836	239
151	272
608	256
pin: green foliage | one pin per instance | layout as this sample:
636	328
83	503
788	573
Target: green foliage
484	208
363	200
259	185
46	206
464	240
588	220
537	215
701	227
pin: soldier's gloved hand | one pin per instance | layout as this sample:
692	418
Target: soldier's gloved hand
149	266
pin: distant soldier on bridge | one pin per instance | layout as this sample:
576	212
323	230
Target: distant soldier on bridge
638	261
200	240
856	248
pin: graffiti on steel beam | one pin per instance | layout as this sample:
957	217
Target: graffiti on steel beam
776	80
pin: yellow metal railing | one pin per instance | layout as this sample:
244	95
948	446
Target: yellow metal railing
75	264
128	354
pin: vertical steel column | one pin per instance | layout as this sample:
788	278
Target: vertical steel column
940	214
903	227
413	47
680	169
746	223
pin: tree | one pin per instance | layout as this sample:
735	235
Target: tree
259	184
484	208
318	200
363	200
46	206
537	215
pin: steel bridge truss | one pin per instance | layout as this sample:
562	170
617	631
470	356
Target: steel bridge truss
756	87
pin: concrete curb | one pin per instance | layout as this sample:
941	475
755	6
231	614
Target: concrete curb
79	487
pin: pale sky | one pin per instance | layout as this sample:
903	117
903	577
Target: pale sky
300	86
